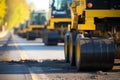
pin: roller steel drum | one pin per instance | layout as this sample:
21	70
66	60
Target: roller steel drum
66	47
50	37
94	53
31	36
72	50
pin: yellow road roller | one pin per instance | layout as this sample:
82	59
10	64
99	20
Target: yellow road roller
35	25
15	30
20	30
59	18
93	38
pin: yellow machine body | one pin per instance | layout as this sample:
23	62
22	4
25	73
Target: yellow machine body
31	27
78	10
58	21
51	25
89	15
93	40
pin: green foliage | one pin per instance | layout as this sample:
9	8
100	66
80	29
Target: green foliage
17	12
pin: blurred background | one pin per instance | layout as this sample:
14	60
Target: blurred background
14	12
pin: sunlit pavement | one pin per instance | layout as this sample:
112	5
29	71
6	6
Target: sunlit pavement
32	60
22	59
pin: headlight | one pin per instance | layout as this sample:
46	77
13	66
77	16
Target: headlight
89	5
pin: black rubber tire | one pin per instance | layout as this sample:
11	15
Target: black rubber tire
40	34
94	54
72	50
66	47
24	35
20	34
30	36
50	38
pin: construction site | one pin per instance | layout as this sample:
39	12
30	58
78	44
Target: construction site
63	40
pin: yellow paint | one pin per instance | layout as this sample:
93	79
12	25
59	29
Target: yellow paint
22	54
71	47
25	57
81	6
78	51
69	26
78	10
33	75
30	28
36	26
86	27
102	13
57	20
74	21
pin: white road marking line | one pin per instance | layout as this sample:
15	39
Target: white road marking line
25	57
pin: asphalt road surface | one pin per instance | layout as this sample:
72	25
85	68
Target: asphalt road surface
32	60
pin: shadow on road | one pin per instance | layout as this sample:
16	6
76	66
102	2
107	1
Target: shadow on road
28	45
37	67
24	46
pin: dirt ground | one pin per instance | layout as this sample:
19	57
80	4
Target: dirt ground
59	70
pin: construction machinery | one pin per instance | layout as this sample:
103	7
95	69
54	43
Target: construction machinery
93	38
15	29
35	25
59	18
20	30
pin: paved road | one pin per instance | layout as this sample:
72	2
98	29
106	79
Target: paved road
32	60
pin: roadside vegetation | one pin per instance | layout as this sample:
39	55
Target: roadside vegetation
13	12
